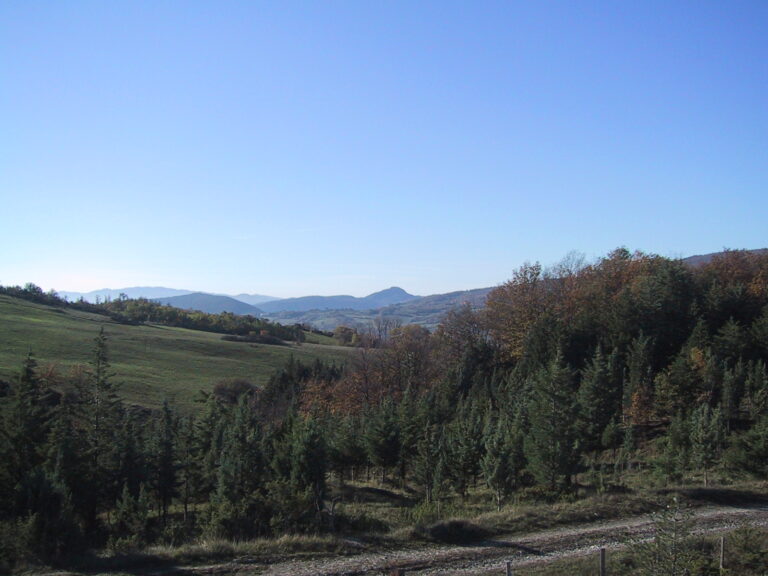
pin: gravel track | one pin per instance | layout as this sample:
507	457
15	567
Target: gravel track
489	556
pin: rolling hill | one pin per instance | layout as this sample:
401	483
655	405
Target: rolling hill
427	311
210	303
150	362
373	301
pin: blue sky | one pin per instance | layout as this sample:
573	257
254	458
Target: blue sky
293	148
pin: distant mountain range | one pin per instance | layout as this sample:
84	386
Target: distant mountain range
325	312
154	293
373	301
148	292
210	303
427	311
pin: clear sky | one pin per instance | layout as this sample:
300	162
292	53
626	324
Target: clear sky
294	148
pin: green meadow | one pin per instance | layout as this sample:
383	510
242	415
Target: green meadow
150	362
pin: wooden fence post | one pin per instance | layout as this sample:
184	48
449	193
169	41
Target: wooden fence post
722	554
509	568
603	567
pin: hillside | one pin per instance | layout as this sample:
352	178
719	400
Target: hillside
427	311
386	297
702	259
152	362
254	299
210	304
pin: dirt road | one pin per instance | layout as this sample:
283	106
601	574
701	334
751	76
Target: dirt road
490	556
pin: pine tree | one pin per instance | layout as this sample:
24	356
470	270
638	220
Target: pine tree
164	465
346	449
676	447
465	446
131	519
598	401
382	437
308	461
209	441
237	507
551	444
189	468
133	466
429	467
503	458
29	421
639	389
101	416
669	553
707	432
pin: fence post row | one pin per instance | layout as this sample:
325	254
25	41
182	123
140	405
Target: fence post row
603	565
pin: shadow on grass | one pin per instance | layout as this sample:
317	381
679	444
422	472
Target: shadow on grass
722	496
128	563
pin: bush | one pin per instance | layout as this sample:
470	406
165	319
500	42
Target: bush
456	532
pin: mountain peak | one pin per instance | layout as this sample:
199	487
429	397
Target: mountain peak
393	291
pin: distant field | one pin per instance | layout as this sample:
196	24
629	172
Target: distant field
151	362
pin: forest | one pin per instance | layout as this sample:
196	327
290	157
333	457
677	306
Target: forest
571	380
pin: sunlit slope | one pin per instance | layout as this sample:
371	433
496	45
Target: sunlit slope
150	362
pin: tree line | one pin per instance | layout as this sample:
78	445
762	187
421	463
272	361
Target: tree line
142	310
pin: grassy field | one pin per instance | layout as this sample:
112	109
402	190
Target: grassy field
150	362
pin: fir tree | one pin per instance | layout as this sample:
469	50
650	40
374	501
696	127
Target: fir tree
429	467
707	432
101	415
237	508
503	458
598	401
164	465
465	446
382	437
551	446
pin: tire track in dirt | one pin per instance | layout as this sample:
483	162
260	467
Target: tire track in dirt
489	556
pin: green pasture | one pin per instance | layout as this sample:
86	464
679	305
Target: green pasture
150	362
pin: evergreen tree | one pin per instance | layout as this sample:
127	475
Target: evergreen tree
551	444
209	443
676	447
189	469
465	446
707	438
164	466
101	416
638	390
409	428
382	436
669	553
598	401
24	432
308	460
733	391
503	458
237	507
131	519
133	467
429	467
346	449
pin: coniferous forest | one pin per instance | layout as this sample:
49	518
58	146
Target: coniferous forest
571	380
